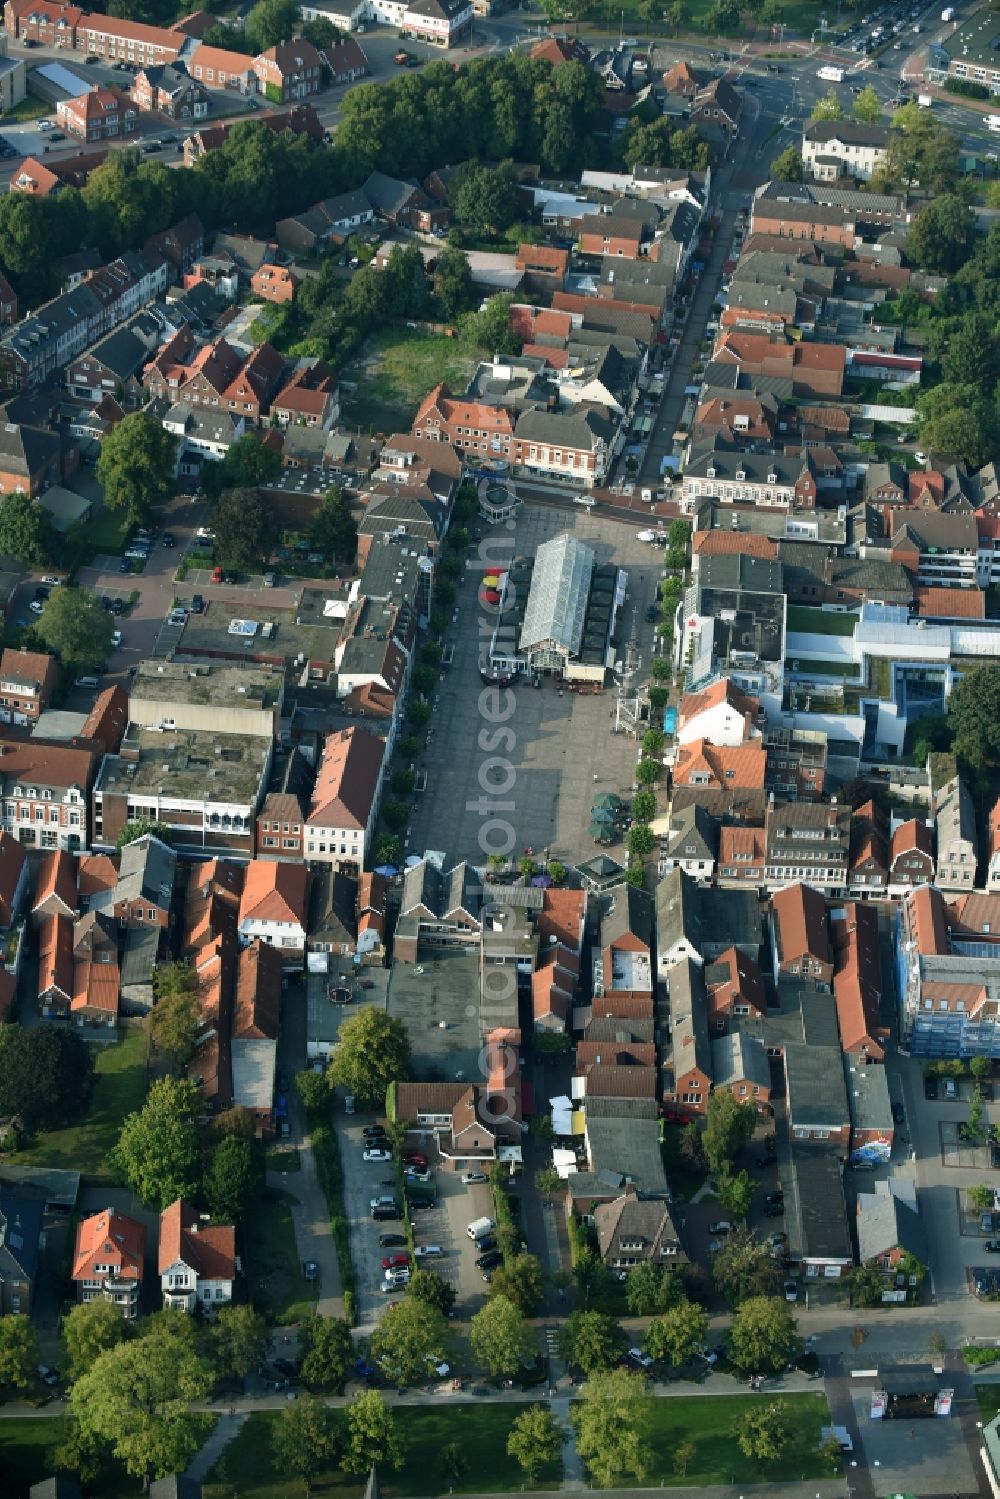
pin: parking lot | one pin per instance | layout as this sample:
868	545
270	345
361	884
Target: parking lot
563	747
444	1224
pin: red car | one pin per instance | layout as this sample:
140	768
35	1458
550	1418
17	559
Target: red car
216	574
396	1262
414	1158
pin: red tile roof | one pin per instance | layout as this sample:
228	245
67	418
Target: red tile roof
347	780
275	891
56	878
950	603
109	1238
799	914
210	1252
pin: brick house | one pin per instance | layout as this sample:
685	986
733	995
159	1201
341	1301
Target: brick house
102	114
868	857
168	89
911	860
636	1231
48	22
291	70
27	682
311	397
8	303
144	890
857	980
217	67
345	61
44	788
814	369
742	856
274	283
688	1082
734	986
215	376
740	1067
20	1244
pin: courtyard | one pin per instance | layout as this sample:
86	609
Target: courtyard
539	770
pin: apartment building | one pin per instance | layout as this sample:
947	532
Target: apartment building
808	841
843	148
345	800
100	114
44	788
443	23
216	376
27	682
109	1260
291	70
947	961
717	469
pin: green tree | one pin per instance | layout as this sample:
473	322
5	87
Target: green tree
46	1075
388	849
762	1337
239	1341
157	1154
334	530
635	875
548	1182
137	1398
591	1341
143	827
454	1463
499	1338
176	1018
233	1178
534	1440
974	716
787	166
609	1419
650	1289
373	1439
644	806
374	1051
678	1335
327	1353
867	107
270	22
519	1279
942	236
247	464
639	841
244	530
306	1439
18	1352
429	1286
827	108
313	1088
77	627
684	1456
556	871
736	1194
729	1127
135	468
743	1268
90	1329
527	867
453	282
321	32
763	1432
980	1198
25	529
647	772
981	1068
405	1335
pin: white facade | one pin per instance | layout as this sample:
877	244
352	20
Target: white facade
721	724
827	159
288	936
346	15
182	1289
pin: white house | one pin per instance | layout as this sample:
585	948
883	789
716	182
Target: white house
345	799
722	714
197	1261
275	907
837	148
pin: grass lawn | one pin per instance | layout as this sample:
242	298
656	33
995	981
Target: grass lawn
384	386
119	1089
103	535
31	107
811	668
806	621
274	1273
27	1447
708	1422
247	1467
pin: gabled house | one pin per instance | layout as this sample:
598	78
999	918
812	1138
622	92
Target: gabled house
957	847
888	1226
55	887
740	1067
692	843
911	858
811	836
109	1260
20	1241
742	856
333	919
868	857
291	70
725	782
197	1262
857	981
734	986
345	799
800	938
145	885
722	714
688	1082
623	964
993	870
275	907
632	1230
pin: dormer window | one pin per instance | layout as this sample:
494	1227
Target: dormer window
772	478
741	473
710	472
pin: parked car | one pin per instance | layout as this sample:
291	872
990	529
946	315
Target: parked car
396	1262
775	1209
36	606
950	1089
642	1359
168	539
723	1226
791	1291
417	1174
389	1212
898	1113
373	1131
310	1270
930	1085
490	1260
986	1223
992	1246
414	1158
470	1178
427	1251
391	1241
216	574
378	1154
197	604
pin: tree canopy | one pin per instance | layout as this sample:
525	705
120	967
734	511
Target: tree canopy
374	1051
943	234
499	1337
762	1337
25	529
974	716
334	530
136	465
609	1420
46	1075
157	1153
247	463
77	627
404	1337
245	531
176	1016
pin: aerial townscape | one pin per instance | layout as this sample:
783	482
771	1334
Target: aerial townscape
500	749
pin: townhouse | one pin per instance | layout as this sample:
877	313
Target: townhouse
868	856
50	23
957	842
948	974
857	981
911	855
803	221
815	370
44	788
728	783
800	937
215	377
807	841
27	682
169	90
274	907
290	70
993	868
345	800
717	470
443	23
113	39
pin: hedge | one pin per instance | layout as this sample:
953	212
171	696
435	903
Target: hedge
326	1153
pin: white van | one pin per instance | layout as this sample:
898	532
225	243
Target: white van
87	682
480	1228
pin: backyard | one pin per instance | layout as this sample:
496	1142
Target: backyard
103	535
384	386
119	1089
274	1274
247	1467
708	1423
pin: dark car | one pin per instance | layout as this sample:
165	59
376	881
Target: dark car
230	577
775	1209
385	1214
197	604
392	1241
489	1260
168	539
930	1085
992	1246
898	1113
118	606
651	614
424	1203
486	1245
56	135
374	1132
124	565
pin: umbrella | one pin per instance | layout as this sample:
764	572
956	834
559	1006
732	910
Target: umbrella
542	881
608	799
603	815
412	860
490	595
388	870
599	834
